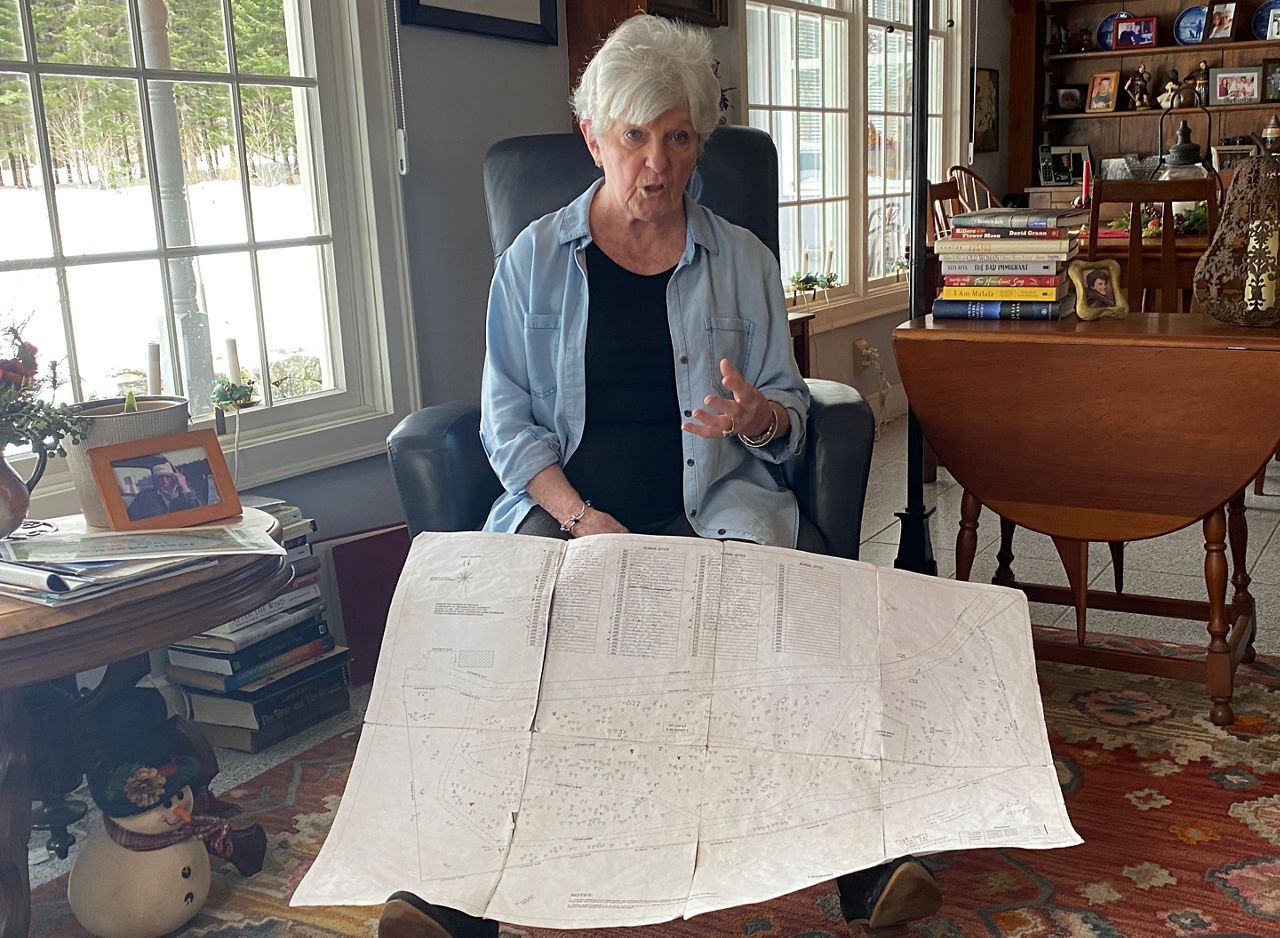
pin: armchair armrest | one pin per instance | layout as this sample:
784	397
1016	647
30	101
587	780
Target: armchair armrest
440	468
830	474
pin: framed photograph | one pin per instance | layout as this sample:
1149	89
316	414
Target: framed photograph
1226	158
1235	85
1098	293
530	20
1220	21
1104	90
986	110
1133	33
1273	24
164	482
1069	99
701	12
1271	79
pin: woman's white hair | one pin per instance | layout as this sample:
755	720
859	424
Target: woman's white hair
646	66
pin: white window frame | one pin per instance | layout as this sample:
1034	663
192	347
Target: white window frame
375	361
858	301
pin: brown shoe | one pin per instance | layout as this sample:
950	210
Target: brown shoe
405	915
909	894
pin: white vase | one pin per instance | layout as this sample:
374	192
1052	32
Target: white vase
108	424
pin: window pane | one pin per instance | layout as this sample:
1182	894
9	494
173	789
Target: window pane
757	55
895	95
196	39
810	155
29	301
783	89
837	230
788	255
267	41
212	211
87	32
293	310
835	73
224	293
875	68
95	139
875	155
835	164
784	138
25	231
280	163
875	239
809	48
116	309
11	32
812	251
759	120
893	154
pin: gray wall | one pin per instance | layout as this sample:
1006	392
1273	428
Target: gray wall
992	51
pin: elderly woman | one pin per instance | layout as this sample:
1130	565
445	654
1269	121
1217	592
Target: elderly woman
639	375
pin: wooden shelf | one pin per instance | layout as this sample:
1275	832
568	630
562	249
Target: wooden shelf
1156	112
1139	51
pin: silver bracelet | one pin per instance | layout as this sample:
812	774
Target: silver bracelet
756	442
567	525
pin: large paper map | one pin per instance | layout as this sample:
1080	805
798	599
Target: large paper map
622	730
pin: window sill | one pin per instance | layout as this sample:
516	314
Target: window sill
848	310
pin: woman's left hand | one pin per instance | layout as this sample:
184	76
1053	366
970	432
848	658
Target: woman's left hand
749	413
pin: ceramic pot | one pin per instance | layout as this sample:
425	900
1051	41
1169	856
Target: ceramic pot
108	424
15	495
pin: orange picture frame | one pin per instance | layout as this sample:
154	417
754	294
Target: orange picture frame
171	481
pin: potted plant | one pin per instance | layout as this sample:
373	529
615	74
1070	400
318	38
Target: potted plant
28	416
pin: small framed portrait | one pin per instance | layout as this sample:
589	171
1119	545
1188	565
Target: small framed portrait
1104	90
1273	24
1228	157
164	482
1220	21
1235	85
1133	33
1271	79
1097	286
1069	99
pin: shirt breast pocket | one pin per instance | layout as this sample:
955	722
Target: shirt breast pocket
542	351
731	339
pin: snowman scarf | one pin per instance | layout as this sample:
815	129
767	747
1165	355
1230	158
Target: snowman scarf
215	833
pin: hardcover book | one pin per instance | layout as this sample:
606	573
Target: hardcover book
1031	248
331	704
1022	218
230	641
1001	309
965	232
1004	293
1002	267
221	662
308	651
1003	280
268	708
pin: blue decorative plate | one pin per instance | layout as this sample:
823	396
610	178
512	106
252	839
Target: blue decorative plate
1261	16
1188	28
1105	31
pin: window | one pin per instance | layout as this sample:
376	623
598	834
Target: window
190	177
833	88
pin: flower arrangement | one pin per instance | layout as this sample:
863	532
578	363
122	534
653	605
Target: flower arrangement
25	416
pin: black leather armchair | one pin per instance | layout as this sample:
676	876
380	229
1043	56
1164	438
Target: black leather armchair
437	461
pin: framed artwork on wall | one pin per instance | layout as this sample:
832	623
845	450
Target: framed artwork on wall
528	20
986	110
701	12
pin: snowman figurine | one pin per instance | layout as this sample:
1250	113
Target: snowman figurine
145	872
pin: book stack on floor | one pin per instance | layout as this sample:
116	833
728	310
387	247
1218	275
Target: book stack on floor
268	674
1008	263
296	530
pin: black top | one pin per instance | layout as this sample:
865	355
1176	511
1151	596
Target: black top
630	461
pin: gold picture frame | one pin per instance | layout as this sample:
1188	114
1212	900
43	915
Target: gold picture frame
1104	92
1093	301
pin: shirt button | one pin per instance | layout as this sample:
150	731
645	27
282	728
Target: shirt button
721	531
684	359
688	462
693	513
688	413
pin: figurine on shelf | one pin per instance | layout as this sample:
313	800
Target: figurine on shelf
1171	86
1200	79
1061	39
1086	40
1138	88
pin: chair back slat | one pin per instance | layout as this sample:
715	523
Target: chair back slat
975	194
944	202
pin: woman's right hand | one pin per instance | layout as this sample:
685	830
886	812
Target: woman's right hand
598	522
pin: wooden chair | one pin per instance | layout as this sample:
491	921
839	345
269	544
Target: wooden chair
975	194
944	202
1169	267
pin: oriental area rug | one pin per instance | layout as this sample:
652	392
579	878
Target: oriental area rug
1181	823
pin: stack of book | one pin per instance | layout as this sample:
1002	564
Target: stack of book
1008	263
266	675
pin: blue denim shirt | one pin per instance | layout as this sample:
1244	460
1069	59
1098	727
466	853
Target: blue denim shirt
723	301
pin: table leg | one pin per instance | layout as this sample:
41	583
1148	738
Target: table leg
1241	599
1004	556
1218	657
1117	563
15	817
1075	560
967	538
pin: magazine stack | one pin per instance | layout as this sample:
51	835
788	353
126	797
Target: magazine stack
1004	263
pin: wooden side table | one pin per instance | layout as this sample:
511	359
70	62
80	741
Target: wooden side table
40	644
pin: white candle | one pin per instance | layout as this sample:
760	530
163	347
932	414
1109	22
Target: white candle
233	362
153	367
